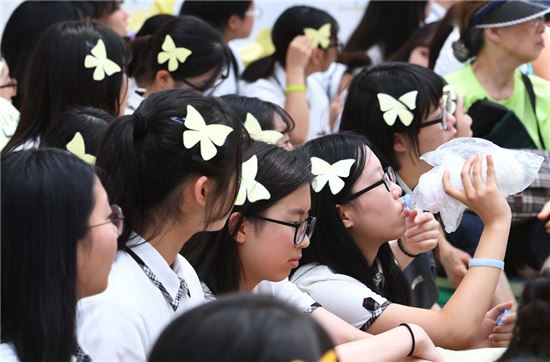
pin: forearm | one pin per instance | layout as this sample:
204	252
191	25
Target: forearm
402	259
296	105
338	329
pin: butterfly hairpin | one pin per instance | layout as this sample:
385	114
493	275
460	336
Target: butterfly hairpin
172	54
255	131
77	147
98	60
401	107
320	37
250	189
332	174
209	136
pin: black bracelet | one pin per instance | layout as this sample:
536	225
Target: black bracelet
412	336
405	251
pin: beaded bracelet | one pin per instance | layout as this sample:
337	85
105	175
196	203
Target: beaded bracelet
493	263
412	336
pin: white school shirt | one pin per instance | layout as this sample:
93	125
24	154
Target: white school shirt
272	90
284	290
231	84
7	353
134	99
123	323
342	295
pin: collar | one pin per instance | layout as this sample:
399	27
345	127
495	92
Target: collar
168	276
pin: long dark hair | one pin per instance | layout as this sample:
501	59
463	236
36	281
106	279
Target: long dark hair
332	244
47	199
57	79
362	112
288	25
215	255
216	13
243	328
422	37
389	23
143	163
531	334
208	48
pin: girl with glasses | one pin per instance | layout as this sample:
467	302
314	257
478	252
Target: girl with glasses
59	238
350	269
264	239
174	167
431	111
187	53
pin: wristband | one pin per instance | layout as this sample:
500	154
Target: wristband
405	251
295	88
493	263
412	337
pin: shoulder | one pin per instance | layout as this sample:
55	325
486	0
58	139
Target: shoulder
286	291
7	353
265	89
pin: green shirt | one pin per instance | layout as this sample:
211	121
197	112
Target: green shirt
467	85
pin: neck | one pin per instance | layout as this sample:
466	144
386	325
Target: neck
369	248
247	284
495	72
227	37
410	171
170	240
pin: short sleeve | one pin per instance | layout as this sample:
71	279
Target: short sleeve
265	89
341	295
288	292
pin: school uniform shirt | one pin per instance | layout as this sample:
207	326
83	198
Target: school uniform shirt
134	98
330	81
123	323
284	290
9	118
272	90
231	84
8	354
342	295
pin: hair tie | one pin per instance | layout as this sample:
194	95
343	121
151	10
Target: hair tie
141	125
460	51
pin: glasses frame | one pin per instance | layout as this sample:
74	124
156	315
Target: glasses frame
116	217
443	120
310	222
387	180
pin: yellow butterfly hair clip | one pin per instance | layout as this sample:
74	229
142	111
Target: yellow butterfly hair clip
98	60
77	147
208	136
255	131
250	188
172	54
401	107
319	37
325	173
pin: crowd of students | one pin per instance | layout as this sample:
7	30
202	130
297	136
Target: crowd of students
162	202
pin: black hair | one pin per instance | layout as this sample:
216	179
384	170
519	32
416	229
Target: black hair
216	13
24	27
422	37
288	25
215	255
387	23
263	111
97	9
143	162
57	79
243	328
89	121
362	112
209	51
140	46
332	244
531	334
47	199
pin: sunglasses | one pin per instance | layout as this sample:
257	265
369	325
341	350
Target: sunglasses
116	218
302	228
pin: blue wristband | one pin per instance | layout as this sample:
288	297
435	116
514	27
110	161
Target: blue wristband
493	263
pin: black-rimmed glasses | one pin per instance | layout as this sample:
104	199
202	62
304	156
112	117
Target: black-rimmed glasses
387	180
116	218
447	108
303	228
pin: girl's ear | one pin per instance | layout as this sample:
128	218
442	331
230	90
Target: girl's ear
163	80
400	143
242	227
201	187
317	57
343	213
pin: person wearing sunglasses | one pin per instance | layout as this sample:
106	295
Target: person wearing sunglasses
264	239
427	107
351	270
59	238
